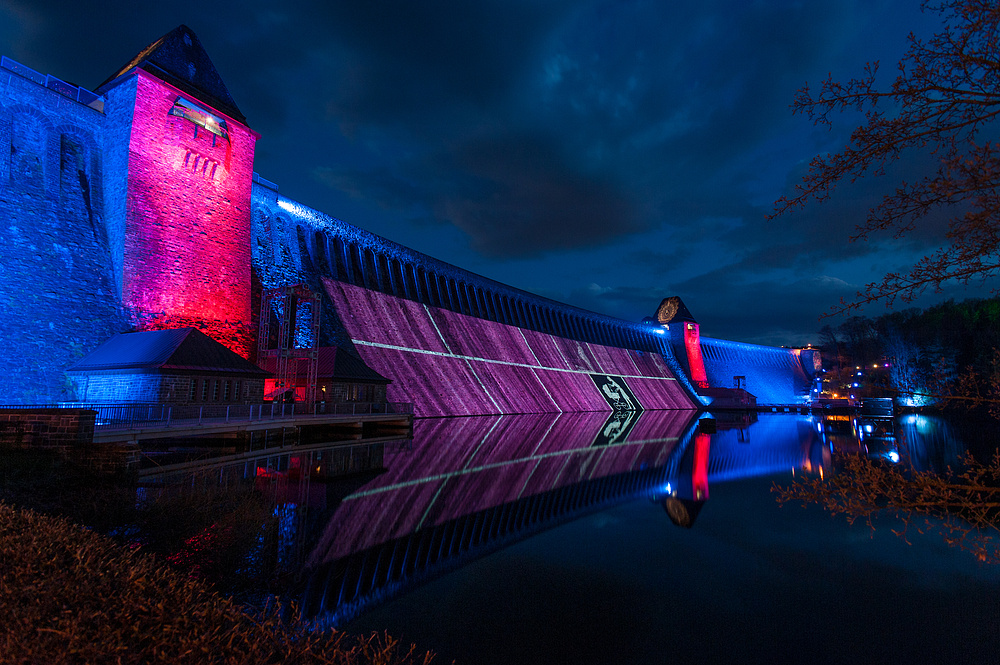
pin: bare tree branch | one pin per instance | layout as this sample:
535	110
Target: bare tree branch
945	96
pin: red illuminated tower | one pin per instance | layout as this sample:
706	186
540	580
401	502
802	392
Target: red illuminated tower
181	222
684	336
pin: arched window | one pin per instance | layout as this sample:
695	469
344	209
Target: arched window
321	243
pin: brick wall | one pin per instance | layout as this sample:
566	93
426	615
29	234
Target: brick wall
59	299
168	389
55	429
187	228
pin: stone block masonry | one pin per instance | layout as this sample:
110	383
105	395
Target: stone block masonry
59	299
187	221
60	430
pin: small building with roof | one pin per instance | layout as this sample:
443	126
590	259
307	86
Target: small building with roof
340	377
174	366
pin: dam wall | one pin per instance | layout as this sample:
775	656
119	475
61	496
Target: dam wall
59	298
137	208
453	342
774	375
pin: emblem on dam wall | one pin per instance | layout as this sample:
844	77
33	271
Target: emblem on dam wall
616	392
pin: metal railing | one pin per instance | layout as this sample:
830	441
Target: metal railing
76	93
132	416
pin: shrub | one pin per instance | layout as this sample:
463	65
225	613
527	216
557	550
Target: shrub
69	595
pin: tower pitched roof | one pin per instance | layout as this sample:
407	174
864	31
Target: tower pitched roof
673	309
177	349
179	59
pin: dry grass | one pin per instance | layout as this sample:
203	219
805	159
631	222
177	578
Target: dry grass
68	595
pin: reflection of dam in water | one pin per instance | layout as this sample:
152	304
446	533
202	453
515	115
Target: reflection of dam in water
364	523
472	485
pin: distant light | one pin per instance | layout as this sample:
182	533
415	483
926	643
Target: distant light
669	489
661	331
869	429
893	456
854	385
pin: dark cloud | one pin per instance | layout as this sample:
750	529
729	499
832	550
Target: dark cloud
646	139
512	195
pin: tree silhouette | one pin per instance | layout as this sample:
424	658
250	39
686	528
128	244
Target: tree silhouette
964	508
945	98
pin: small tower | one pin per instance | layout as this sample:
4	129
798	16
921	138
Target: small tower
685	338
180	226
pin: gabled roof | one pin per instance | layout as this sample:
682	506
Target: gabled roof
336	364
673	309
179	59
176	349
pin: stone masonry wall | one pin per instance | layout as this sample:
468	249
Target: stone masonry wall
168	389
59	299
53	429
187	232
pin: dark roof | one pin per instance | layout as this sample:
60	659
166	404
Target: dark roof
336	364
339	364
179	59
177	349
673	309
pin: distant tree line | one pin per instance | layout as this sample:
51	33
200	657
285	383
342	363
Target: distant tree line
946	355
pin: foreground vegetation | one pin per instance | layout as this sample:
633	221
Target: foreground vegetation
69	595
165	589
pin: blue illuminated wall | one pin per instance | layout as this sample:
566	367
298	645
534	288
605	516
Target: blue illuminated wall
773	375
59	298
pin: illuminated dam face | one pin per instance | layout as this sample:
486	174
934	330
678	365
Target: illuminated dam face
453	342
136	208
773	375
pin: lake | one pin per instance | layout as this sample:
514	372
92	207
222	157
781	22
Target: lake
639	538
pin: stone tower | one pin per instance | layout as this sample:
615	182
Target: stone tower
179	162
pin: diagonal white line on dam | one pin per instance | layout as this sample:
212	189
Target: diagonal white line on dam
457	356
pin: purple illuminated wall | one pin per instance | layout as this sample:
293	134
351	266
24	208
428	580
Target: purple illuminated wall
451	364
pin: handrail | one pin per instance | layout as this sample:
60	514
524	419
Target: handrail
130	416
74	92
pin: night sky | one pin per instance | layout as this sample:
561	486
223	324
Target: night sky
604	154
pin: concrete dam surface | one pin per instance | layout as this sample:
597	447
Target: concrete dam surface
135	208
451	364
